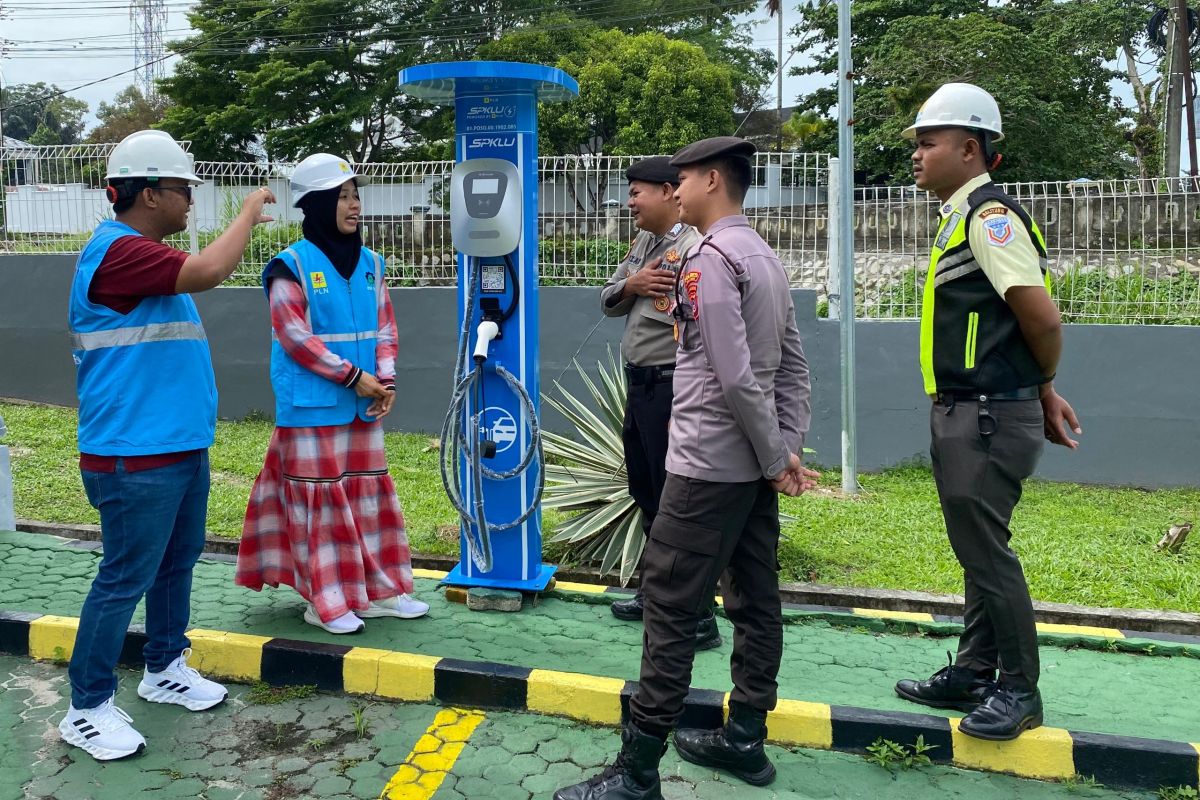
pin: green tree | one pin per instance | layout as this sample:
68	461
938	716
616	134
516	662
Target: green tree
638	94
37	113
129	111
1044	60
806	131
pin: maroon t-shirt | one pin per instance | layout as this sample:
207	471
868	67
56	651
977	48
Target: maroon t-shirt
134	268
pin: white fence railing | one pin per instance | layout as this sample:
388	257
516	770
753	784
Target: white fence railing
1121	251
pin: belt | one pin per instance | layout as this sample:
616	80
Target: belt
640	376
1024	393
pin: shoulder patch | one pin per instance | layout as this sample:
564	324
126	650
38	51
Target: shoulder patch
991	212
676	229
691	283
999	231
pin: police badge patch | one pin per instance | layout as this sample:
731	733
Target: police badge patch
691	282
672	257
662	304
999	231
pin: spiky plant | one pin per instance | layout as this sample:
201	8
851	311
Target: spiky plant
588	476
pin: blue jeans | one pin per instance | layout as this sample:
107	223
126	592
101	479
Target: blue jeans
152	522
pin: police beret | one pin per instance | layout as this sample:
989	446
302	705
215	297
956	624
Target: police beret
653	170
716	147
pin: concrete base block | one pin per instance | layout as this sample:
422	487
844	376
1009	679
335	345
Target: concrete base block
479	599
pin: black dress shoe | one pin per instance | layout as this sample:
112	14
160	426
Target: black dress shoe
949	687
707	635
1004	714
628	609
736	748
633	776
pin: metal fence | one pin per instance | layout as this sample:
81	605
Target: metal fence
1120	251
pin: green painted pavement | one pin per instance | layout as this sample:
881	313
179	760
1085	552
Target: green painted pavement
1085	690
310	748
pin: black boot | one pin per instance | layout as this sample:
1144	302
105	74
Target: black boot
1004	714
949	687
628	609
737	748
707	635
633	776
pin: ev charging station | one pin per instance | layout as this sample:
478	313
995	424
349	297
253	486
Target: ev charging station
491	458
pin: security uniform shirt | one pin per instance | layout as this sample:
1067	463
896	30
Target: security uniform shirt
973	343
741	380
649	339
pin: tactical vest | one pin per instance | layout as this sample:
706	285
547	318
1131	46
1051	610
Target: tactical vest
970	339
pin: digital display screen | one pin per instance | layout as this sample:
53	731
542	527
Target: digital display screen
485	185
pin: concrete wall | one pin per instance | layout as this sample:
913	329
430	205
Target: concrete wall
1136	388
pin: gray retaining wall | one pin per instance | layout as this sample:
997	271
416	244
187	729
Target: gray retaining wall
1136	388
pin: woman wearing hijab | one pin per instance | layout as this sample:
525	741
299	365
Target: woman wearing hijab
323	514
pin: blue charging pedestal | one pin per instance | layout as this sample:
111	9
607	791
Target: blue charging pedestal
495	106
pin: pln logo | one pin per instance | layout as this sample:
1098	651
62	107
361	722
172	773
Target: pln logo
499	425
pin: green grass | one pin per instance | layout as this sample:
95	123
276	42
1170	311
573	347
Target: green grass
1089	545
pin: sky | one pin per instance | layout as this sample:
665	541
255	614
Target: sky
73	42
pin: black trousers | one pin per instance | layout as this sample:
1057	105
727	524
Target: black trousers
979	477
702	530
644	435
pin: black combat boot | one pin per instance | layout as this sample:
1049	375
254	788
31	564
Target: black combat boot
737	748
630	609
1004	713
707	635
949	687
633	776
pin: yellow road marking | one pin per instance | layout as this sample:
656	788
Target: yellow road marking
1082	630
433	756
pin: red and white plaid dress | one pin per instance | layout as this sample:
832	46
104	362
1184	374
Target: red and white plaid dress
323	515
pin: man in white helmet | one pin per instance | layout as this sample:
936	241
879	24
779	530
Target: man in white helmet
147	414
990	343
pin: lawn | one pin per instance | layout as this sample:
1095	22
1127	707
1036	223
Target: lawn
1080	544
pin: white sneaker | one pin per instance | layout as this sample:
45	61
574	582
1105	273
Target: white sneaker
104	732
346	623
405	607
181	685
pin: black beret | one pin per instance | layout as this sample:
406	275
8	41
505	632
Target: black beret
716	147
653	170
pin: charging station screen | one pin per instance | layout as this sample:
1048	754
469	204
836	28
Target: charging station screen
485	185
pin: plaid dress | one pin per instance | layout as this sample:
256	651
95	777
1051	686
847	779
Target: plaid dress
323	515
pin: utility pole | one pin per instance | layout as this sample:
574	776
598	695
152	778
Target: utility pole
1186	75
1177	41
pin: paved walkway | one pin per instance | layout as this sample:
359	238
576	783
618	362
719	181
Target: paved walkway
313	747
1085	690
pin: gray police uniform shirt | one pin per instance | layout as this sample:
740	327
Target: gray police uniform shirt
741	383
649	338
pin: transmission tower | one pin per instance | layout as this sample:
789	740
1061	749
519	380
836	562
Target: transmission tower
147	22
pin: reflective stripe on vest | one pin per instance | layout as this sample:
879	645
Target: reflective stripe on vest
142	334
949	260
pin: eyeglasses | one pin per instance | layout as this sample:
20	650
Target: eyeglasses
186	191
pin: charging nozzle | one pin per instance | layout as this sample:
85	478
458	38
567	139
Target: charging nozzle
485	333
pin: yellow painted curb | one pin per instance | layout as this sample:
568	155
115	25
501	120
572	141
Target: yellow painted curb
52	638
1079	630
585	588
796	722
1039	753
909	616
569	694
230	655
406	676
433	574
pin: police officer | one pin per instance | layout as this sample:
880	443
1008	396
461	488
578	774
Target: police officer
641	291
737	429
990	343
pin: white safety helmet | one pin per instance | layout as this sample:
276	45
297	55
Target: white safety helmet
150	155
321	171
958	105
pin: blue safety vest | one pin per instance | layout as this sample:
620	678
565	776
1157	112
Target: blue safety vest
145	379
342	313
